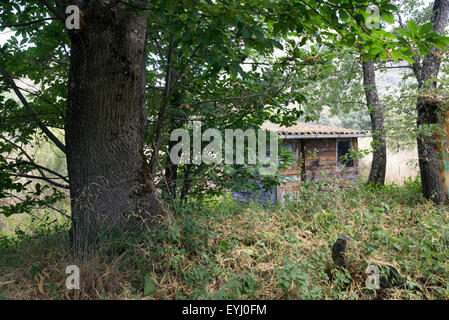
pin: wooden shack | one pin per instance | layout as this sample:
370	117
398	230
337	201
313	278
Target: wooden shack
319	153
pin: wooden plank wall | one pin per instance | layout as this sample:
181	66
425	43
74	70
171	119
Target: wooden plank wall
320	156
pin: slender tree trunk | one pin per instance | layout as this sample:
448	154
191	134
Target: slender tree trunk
171	174
187	181
171	169
427	107
379	163
110	180
170	79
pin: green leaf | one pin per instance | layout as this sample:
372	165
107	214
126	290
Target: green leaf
424	29
387	16
398	55
326	11
407	58
423	48
375	50
440	42
383	56
343	15
413	27
406	34
390	7
395	55
149	286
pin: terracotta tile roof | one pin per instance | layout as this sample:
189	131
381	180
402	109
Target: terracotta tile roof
306	129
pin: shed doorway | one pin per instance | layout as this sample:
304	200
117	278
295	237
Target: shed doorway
297	172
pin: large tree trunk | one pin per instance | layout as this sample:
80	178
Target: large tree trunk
110	181
429	163
427	107
379	163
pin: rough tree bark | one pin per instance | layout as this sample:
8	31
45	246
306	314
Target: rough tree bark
110	181
379	162
427	107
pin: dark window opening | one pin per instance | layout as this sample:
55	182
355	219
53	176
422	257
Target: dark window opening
343	153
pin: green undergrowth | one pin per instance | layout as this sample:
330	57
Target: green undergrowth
224	250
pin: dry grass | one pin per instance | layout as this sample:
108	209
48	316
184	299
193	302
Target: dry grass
222	250
401	165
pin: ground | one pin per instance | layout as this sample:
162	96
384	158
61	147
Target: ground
220	249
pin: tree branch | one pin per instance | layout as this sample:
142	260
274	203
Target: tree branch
31	162
394	67
42	126
45	204
54	10
25	24
60	176
49	180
